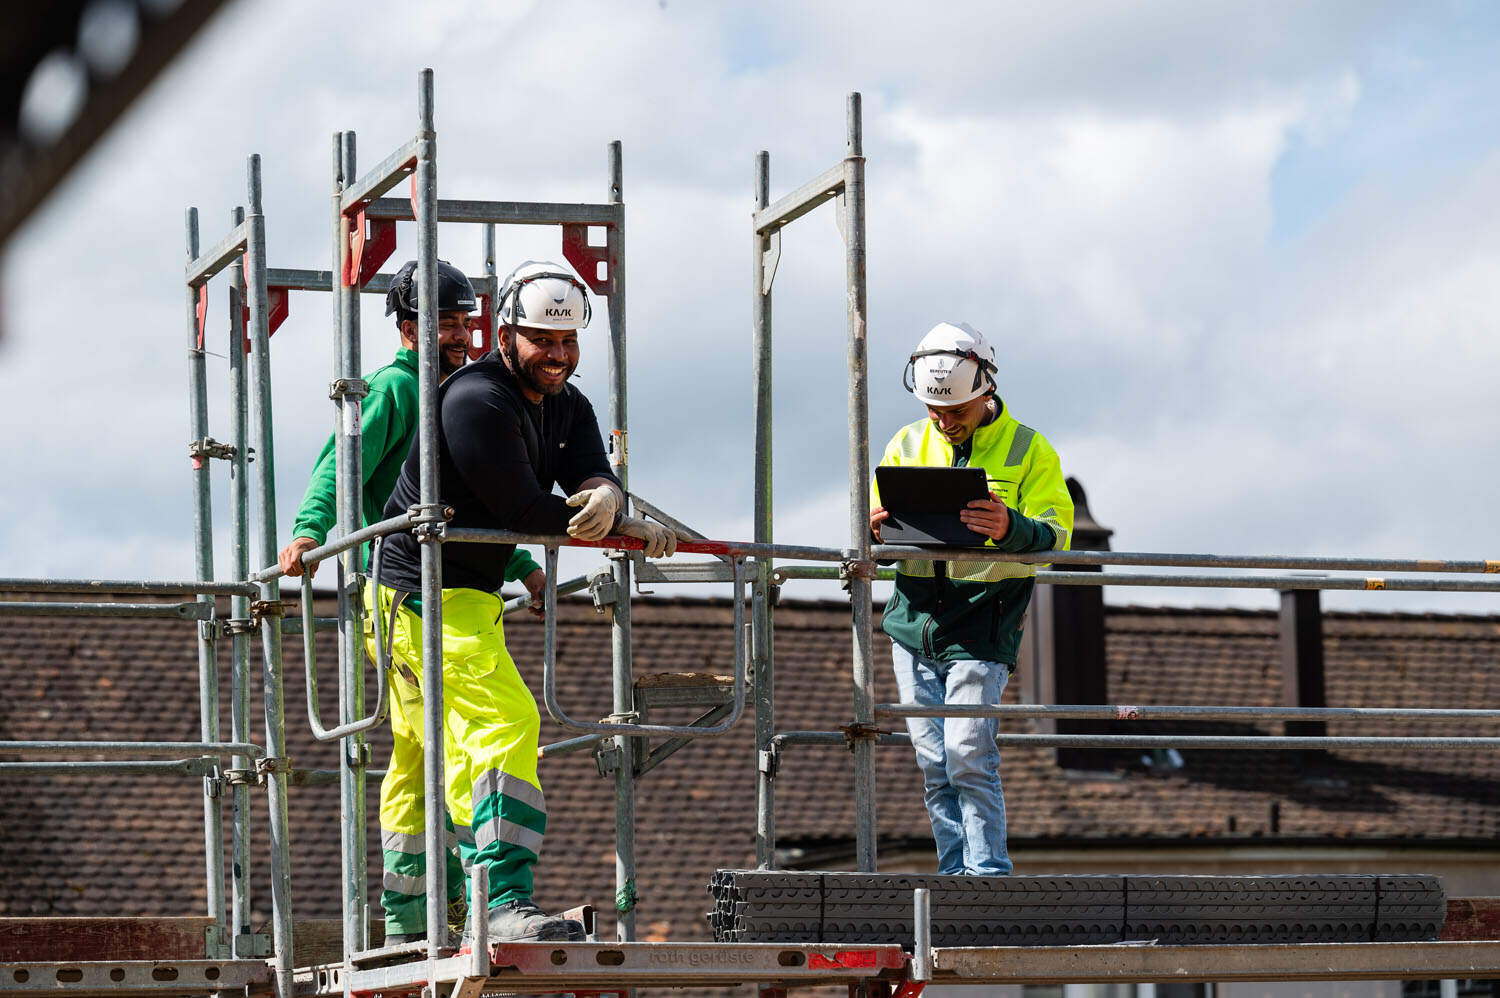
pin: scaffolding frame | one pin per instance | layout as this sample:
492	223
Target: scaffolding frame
362	226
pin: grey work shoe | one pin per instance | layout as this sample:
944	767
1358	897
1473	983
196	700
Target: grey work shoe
522	921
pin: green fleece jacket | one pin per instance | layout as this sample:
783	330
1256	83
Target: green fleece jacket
387	424
956	609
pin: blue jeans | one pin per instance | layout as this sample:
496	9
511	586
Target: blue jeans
959	759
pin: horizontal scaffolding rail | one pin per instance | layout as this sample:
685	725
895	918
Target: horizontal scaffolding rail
128	749
390	172
504	212
226	251
1134	712
175	611
127	587
1227	742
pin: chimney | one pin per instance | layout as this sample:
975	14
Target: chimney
1062	660
1301	645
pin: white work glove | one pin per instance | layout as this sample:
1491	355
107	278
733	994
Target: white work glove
661	542
598	514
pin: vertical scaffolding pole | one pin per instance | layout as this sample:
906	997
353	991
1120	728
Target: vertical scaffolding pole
203	544
270	622
430	533
761	643
624	677
239	606
350	477
492	320
852	207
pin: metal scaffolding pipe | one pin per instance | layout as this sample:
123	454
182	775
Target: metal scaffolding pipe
623	680
172	611
227	250
203	559
126	587
125	750
852	207
1300	563
178	767
1195	742
401	521
387	174
762	645
270	625
1148	712
1188	581
348	473
504	212
435	839
239	604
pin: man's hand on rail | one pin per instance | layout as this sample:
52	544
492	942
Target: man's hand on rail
290	558
535	582
878	515
661	542
600	505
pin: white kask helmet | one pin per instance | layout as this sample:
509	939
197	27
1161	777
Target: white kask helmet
953	364
544	295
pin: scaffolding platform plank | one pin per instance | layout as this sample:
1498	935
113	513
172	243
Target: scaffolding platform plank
558	967
129	978
59	940
1173	964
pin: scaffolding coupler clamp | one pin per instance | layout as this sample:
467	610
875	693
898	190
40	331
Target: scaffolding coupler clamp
263	608
237	625
607	756
342	389
861	731
856	568
208	447
770	760
357	754
270	766
604	589
429	521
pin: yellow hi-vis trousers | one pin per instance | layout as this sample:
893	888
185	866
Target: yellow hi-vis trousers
490	731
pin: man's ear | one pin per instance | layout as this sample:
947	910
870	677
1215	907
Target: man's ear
408	330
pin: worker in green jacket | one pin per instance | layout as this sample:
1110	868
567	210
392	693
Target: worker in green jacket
955	624
388	422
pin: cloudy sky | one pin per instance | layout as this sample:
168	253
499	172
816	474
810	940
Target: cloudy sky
1241	261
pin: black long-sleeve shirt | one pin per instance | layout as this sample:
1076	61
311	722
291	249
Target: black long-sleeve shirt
499	457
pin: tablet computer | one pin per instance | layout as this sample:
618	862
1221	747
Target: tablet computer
924	504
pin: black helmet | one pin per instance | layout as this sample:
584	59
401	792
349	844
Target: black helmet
455	293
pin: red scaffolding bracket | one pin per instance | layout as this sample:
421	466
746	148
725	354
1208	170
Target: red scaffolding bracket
278	307
910	989
371	243
586	259
479	325
202	309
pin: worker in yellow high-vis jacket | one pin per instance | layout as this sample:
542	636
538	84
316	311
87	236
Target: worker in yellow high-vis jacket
955	625
510	427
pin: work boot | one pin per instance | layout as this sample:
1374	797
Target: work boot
522	921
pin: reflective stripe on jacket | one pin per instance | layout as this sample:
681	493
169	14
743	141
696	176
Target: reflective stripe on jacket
959	609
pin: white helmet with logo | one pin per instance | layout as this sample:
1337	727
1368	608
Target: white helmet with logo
953	364
544	295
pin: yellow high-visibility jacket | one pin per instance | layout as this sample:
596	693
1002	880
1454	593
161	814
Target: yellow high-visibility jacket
950	610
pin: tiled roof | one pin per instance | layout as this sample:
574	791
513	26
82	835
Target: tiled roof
133	845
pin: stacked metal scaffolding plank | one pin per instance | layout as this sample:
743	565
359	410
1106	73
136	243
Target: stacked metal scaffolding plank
857	908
